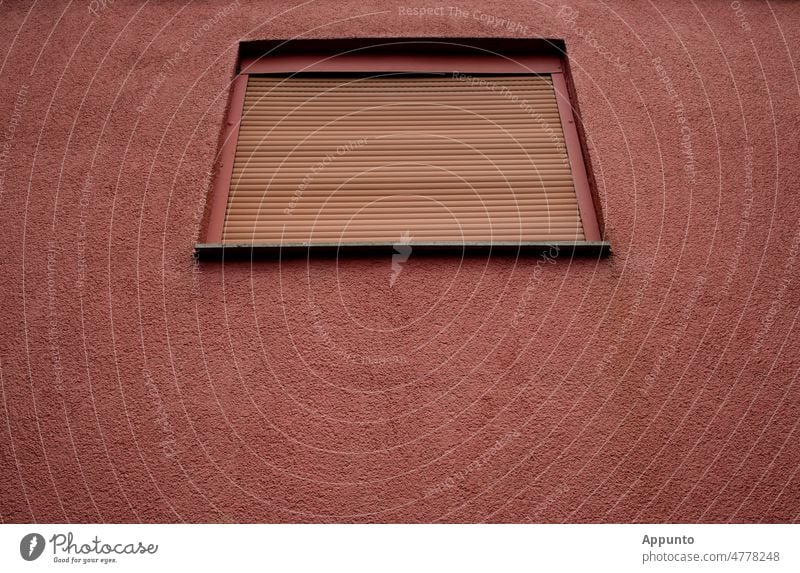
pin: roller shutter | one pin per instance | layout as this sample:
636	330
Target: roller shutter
417	159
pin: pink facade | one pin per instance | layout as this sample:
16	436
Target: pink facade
657	384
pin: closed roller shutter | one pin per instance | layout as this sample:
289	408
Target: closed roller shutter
422	159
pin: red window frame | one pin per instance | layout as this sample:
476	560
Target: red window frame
394	56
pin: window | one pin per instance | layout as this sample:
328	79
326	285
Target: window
432	143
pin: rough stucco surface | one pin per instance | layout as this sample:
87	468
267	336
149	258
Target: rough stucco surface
659	384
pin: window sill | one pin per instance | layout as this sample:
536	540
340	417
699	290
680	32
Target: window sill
245	251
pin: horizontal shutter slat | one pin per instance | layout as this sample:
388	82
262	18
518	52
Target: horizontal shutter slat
268	204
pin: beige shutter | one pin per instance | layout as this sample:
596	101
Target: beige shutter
423	159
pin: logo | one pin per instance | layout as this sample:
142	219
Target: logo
31	546
399	258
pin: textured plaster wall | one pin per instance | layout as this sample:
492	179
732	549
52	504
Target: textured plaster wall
656	385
